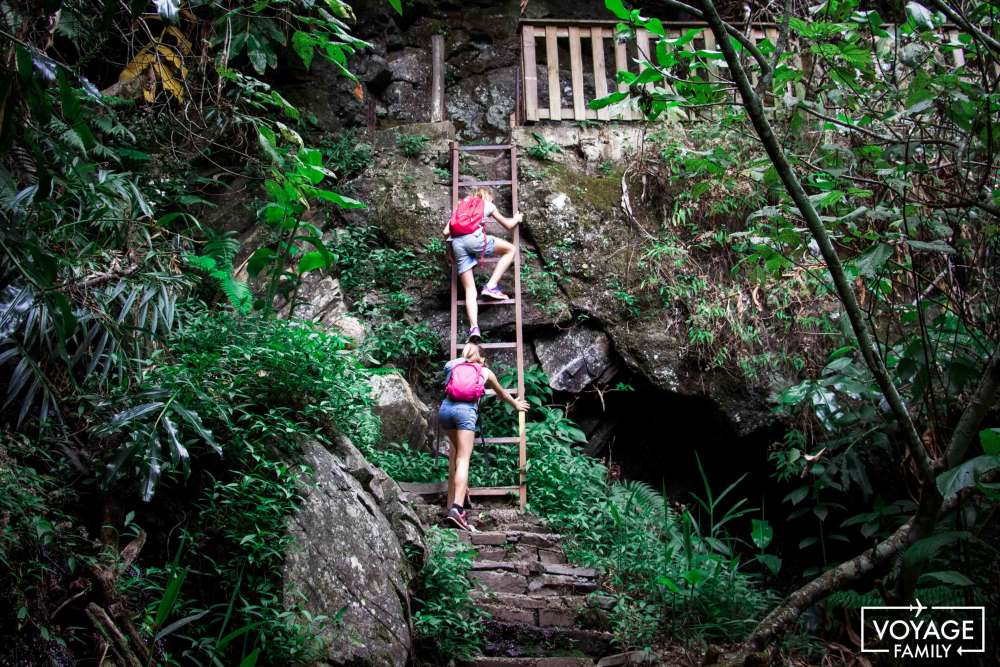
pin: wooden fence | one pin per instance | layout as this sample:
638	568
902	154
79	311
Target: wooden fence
595	56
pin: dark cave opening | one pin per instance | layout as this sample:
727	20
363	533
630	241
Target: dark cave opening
657	437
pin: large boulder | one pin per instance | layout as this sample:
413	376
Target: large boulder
349	561
404	416
576	358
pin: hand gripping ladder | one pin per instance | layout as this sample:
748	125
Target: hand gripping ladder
457	183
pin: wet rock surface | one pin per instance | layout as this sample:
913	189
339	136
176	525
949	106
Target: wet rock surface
350	532
405	418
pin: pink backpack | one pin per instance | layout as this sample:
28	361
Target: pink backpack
467	382
467	216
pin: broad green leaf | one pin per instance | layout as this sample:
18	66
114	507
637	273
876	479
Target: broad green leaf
340	200
872	261
398	6
920	15
950	577
617	8
260	258
761	533
602	102
966	475
771	562
313	260
989	438
931	246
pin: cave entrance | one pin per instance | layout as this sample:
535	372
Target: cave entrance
657	437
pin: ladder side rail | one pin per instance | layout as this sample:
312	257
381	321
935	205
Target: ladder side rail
522	454
454	266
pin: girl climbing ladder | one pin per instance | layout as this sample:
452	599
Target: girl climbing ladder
502	300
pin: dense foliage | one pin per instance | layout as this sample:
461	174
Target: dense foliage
872	151
153	406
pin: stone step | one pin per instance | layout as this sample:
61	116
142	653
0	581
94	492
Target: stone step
531	567
501	538
505	638
513	578
567	611
551	661
520	552
562	611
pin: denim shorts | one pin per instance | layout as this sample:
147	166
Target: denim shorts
458	415
469	248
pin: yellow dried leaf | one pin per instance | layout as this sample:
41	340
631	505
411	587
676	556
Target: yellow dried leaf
183	44
169	81
142	60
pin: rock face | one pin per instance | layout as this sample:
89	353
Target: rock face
575	358
404	416
350	531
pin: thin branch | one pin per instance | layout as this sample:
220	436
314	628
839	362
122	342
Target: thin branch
957	17
866	342
736	33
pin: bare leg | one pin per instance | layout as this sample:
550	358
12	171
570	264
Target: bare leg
452	452
506	251
460	477
471	306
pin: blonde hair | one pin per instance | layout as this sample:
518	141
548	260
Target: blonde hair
472	352
483	193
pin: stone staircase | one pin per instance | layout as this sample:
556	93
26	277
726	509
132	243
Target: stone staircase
543	611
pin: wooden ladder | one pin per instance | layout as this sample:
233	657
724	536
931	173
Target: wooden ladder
457	182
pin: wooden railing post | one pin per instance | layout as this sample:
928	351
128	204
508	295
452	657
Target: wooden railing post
437	78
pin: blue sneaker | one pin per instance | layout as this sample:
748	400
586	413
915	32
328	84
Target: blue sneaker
474	335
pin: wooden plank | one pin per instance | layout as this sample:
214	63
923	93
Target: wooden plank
642	44
567	112
613	23
576	67
498	346
424	488
492	490
529	73
437	78
623	110
958	54
552	64
502	441
600	73
713	69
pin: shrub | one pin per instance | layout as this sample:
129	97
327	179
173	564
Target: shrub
411	145
447	623
348	155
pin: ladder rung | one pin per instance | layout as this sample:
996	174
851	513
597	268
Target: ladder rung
497	346
472	184
493	490
512	392
489	302
485	147
508	440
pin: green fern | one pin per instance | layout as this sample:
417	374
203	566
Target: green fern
217	262
640	498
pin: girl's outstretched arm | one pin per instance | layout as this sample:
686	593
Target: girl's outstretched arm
509	223
518	403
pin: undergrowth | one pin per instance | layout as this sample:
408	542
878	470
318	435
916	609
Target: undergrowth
447	623
674	572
